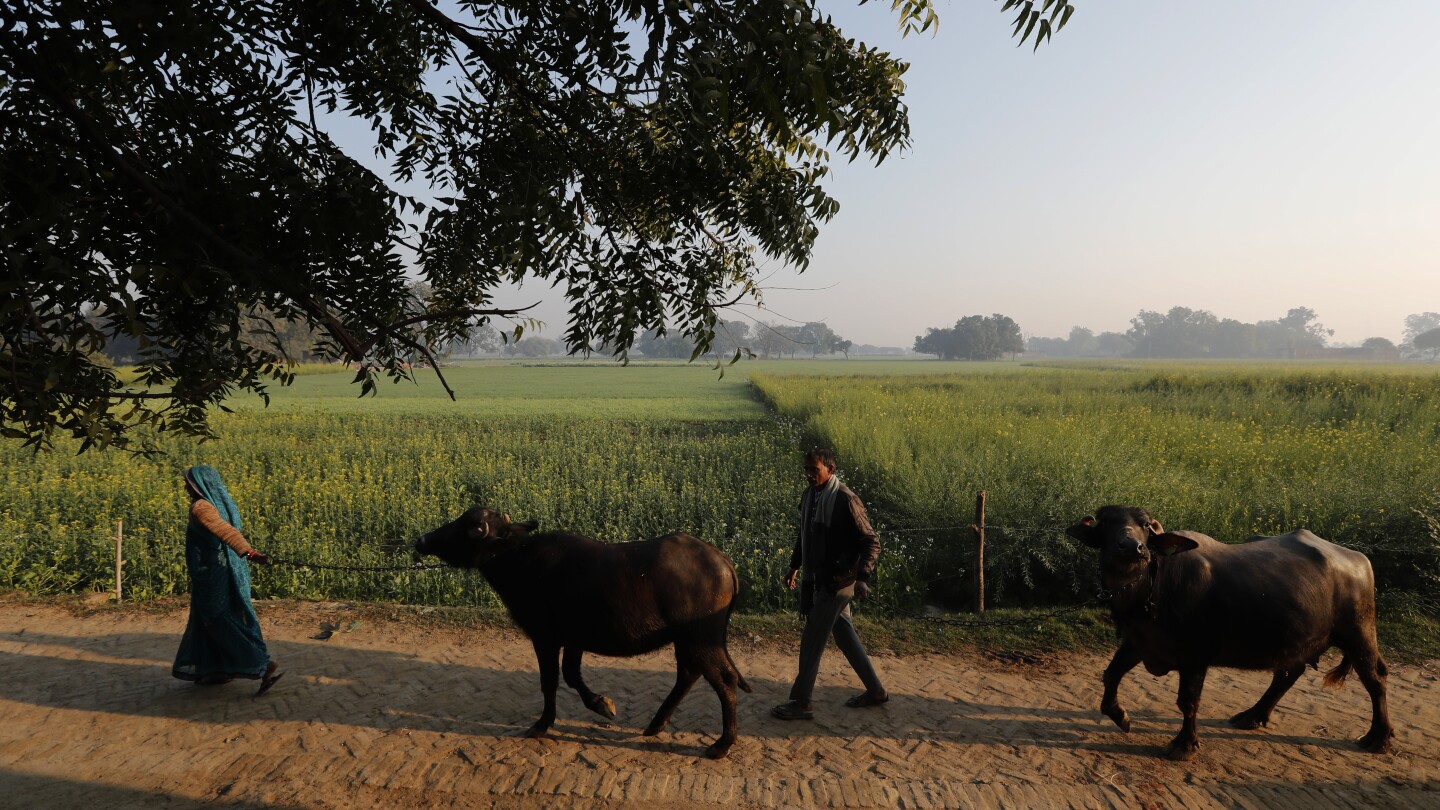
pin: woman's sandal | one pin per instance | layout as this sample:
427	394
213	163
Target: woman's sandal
269	679
866	699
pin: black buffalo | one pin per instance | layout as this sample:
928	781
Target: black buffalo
573	593
1184	601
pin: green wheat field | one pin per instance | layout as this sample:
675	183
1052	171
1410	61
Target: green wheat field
628	452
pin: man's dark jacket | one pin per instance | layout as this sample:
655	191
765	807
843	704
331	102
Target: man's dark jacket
851	545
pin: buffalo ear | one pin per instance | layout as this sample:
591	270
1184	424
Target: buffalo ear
1084	531
1155	527
1166	545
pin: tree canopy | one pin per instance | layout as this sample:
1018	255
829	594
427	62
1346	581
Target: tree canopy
173	172
1419	323
1428	342
973	337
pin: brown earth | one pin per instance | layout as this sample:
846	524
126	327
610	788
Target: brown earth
420	713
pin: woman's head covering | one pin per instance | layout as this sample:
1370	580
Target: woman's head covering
206	481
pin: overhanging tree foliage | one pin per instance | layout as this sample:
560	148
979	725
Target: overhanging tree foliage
171	170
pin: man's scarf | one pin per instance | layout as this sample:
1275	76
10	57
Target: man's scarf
822	500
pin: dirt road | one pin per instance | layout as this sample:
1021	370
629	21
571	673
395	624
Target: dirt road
413	714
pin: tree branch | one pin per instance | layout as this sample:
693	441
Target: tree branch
126	164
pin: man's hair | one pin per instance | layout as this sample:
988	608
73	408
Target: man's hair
822	455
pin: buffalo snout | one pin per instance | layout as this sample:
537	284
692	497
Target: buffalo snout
1128	549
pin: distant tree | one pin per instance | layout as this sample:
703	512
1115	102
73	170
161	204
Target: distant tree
1181	332
1428	342
1419	323
669	345
730	337
766	340
973	337
819	338
1303	324
1082	342
1233	338
843	346
1048	346
1009	339
536	346
788	341
482	340
939	342
1185	332
1378	344
1114	344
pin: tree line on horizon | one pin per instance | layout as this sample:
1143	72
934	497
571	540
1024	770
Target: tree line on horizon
759	340
1181	332
1193	333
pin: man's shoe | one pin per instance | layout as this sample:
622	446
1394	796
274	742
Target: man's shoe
866	699
792	711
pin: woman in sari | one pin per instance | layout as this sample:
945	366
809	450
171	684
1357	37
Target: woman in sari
222	638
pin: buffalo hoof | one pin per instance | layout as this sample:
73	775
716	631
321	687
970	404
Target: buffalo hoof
1381	742
1121	718
603	706
1180	750
719	749
535	732
1249	720
653	729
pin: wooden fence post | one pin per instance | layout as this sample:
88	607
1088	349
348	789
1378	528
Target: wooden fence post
119	555
979	527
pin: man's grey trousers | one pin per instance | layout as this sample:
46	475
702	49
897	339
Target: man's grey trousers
831	612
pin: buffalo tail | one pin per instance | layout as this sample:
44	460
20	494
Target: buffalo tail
740	679
1336	676
730	612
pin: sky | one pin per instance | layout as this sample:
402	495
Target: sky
1234	156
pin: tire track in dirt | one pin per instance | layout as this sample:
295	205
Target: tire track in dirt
404	713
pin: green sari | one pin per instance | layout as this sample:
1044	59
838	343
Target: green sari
222	638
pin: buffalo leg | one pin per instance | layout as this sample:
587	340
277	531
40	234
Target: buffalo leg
570	667
548	657
1192	682
1259	714
1122	662
685	676
723	678
1372	672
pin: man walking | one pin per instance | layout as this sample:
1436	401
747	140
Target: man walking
833	561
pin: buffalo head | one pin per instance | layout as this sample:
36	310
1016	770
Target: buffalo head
1128	539
472	538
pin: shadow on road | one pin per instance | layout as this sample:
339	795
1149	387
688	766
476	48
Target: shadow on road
337	684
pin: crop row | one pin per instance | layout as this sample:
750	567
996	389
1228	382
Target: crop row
350	490
1351	455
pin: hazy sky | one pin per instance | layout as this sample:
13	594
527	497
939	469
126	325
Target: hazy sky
1236	156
